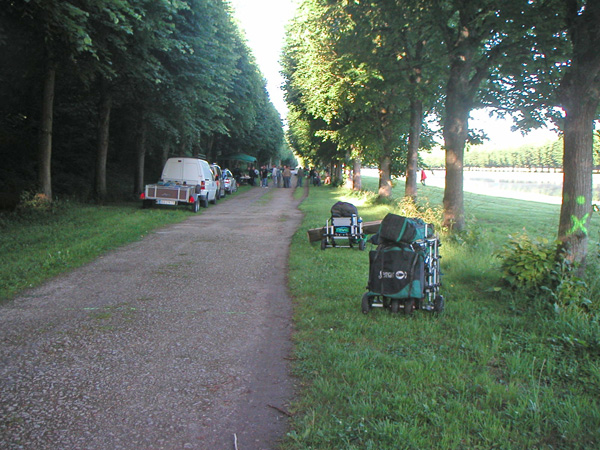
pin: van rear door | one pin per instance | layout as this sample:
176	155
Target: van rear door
191	172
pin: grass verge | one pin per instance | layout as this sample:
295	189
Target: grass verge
38	245
497	370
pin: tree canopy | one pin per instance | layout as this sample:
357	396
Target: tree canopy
110	88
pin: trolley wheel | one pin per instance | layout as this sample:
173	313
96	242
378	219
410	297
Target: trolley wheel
395	305
385	302
438	304
323	243
367	304
419	302
409	305
196	206
361	244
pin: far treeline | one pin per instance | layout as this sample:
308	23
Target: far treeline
95	94
362	76
539	158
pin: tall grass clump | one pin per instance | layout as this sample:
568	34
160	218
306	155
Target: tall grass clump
496	370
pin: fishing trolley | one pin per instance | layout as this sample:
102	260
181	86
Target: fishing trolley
404	270
344	227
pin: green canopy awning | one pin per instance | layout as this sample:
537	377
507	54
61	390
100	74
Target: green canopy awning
240	157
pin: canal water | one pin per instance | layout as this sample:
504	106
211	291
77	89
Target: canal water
534	186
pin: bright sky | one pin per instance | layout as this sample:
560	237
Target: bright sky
264	22
500	134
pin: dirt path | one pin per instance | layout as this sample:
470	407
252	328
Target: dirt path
178	341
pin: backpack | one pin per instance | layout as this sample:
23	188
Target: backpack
343	209
400	229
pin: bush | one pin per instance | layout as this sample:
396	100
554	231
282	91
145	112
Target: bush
533	266
527	263
35	201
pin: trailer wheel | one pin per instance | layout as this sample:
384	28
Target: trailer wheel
204	202
146	204
367	304
409	305
395	306
323	243
196	206
438	304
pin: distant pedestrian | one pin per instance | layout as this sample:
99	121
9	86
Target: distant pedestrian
287	175
300	175
252	175
316	179
423	177
264	176
275	176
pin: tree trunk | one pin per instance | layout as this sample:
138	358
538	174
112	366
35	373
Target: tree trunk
166	150
140	153
338	176
580	95
45	143
576	207
104	110
388	141
416	124
182	146
456	130
385	178
356	177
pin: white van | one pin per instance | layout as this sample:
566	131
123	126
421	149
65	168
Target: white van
192	172
183	180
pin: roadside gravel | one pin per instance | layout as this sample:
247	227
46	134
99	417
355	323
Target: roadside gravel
178	341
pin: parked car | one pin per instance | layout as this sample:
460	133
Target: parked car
219	177
229	182
184	180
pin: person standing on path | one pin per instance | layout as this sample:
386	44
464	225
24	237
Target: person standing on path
264	176
300	175
275	176
287	176
423	177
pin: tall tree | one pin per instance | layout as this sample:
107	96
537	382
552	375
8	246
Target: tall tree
61	30
353	64
560	82
111	24
480	35
579	95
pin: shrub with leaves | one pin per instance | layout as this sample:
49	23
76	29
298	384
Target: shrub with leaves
527	263
569	291
532	265
35	201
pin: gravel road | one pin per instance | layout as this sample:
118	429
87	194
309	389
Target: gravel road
178	341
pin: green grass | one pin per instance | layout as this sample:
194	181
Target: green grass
38	245
496	370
